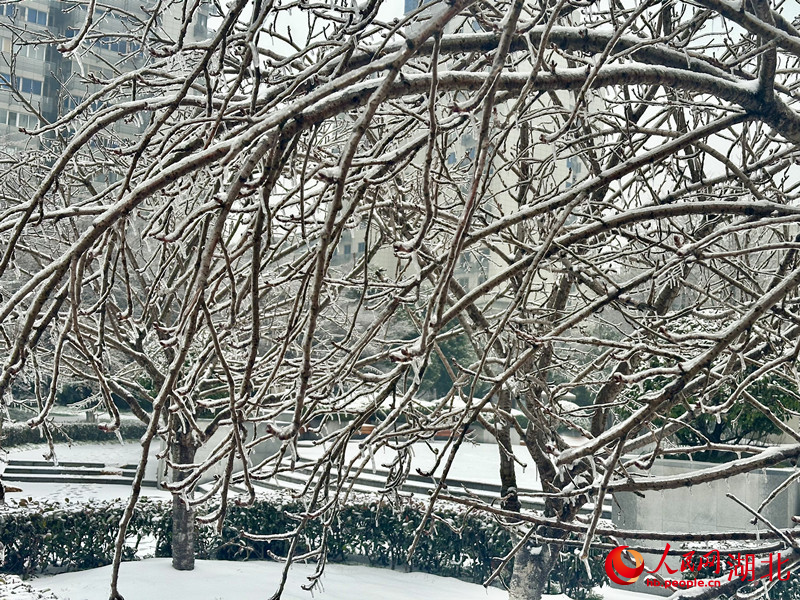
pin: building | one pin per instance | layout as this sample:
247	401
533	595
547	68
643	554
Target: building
480	263
42	77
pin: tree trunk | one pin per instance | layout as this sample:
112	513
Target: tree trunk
183	452
532	566
508	475
533	563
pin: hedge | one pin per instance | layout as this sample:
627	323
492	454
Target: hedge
43	536
18	434
47	536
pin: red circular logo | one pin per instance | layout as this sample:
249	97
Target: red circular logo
618	571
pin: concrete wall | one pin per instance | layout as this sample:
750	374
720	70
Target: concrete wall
706	507
257	454
701	508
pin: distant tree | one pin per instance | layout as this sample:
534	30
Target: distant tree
743	423
445	366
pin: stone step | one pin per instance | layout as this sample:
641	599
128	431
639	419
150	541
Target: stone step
47	463
73	478
370	484
60	470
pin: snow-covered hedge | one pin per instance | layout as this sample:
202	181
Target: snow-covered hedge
379	534
45	536
18	434
50	536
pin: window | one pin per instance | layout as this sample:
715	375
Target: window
30	86
23	84
31	51
8	10
3	116
361	247
574	166
26	121
114	46
69	103
347	248
36	16
414	4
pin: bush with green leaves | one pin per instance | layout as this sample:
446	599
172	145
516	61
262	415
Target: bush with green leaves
44	536
47	536
734	423
19	434
743	422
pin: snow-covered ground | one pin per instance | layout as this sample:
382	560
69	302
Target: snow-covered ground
75	492
477	463
111	454
154	579
13	588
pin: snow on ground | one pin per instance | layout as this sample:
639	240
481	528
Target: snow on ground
154	579
13	588
112	454
474	462
74	492
609	593
477	463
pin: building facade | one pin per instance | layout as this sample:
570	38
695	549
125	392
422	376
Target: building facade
42	76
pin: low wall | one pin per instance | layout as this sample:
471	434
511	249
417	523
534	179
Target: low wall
257	454
702	508
706	507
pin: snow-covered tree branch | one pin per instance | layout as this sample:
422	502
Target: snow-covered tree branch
277	229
